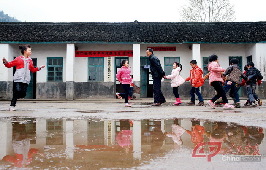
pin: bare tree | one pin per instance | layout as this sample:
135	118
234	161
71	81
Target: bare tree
208	11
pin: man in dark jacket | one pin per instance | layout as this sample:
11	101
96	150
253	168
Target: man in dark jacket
253	75
157	74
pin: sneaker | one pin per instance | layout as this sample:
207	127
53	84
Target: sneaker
228	106
237	105
210	103
127	105
247	103
191	103
200	104
12	108
259	102
253	104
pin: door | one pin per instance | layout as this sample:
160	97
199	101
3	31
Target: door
144	76
31	90
118	86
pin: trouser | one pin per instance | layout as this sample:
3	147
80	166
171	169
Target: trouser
251	92
157	93
233	91
219	91
175	91
193	91
19	91
126	88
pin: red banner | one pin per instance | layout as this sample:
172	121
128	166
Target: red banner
163	48
128	53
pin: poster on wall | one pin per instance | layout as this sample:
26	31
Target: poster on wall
109	66
128	53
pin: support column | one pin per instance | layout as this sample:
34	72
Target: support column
6	75
41	133
196	54
70	61
69	139
136	69
260	58
137	139
6	138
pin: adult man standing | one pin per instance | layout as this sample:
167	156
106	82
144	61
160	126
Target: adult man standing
157	74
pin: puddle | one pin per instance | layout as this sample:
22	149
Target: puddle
90	111
39	143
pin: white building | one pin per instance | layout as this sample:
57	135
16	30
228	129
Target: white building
81	59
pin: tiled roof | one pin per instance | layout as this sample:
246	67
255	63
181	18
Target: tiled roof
133	32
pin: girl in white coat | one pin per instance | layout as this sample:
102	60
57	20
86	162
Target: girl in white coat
176	81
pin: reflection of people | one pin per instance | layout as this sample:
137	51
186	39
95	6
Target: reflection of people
157	74
197	134
177	132
124	77
23	153
24	66
124	137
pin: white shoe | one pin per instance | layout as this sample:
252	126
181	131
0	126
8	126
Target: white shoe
12	108
210	103
127	105
228	106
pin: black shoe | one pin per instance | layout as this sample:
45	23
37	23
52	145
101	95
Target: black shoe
191	103
156	104
237	105
200	104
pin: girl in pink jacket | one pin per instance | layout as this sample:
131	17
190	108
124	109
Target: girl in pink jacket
176	81
216	80
124	77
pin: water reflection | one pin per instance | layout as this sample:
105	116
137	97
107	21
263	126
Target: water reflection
90	143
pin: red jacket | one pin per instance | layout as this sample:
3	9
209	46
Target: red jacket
195	77
18	62
123	75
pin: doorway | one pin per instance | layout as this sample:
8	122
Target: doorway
118	86
31	90
145	85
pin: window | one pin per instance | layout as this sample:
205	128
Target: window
55	68
239	58
205	64
96	67
168	64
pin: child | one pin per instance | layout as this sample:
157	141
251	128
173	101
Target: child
24	66
253	75
216	80
233	80
124	77
176	81
196	81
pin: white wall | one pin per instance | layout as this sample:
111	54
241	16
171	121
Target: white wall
224	51
182	51
42	51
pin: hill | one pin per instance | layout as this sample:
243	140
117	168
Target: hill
5	18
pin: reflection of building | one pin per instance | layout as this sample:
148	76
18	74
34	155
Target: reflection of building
90	141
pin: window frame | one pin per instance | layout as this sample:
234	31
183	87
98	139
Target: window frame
96	66
54	71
